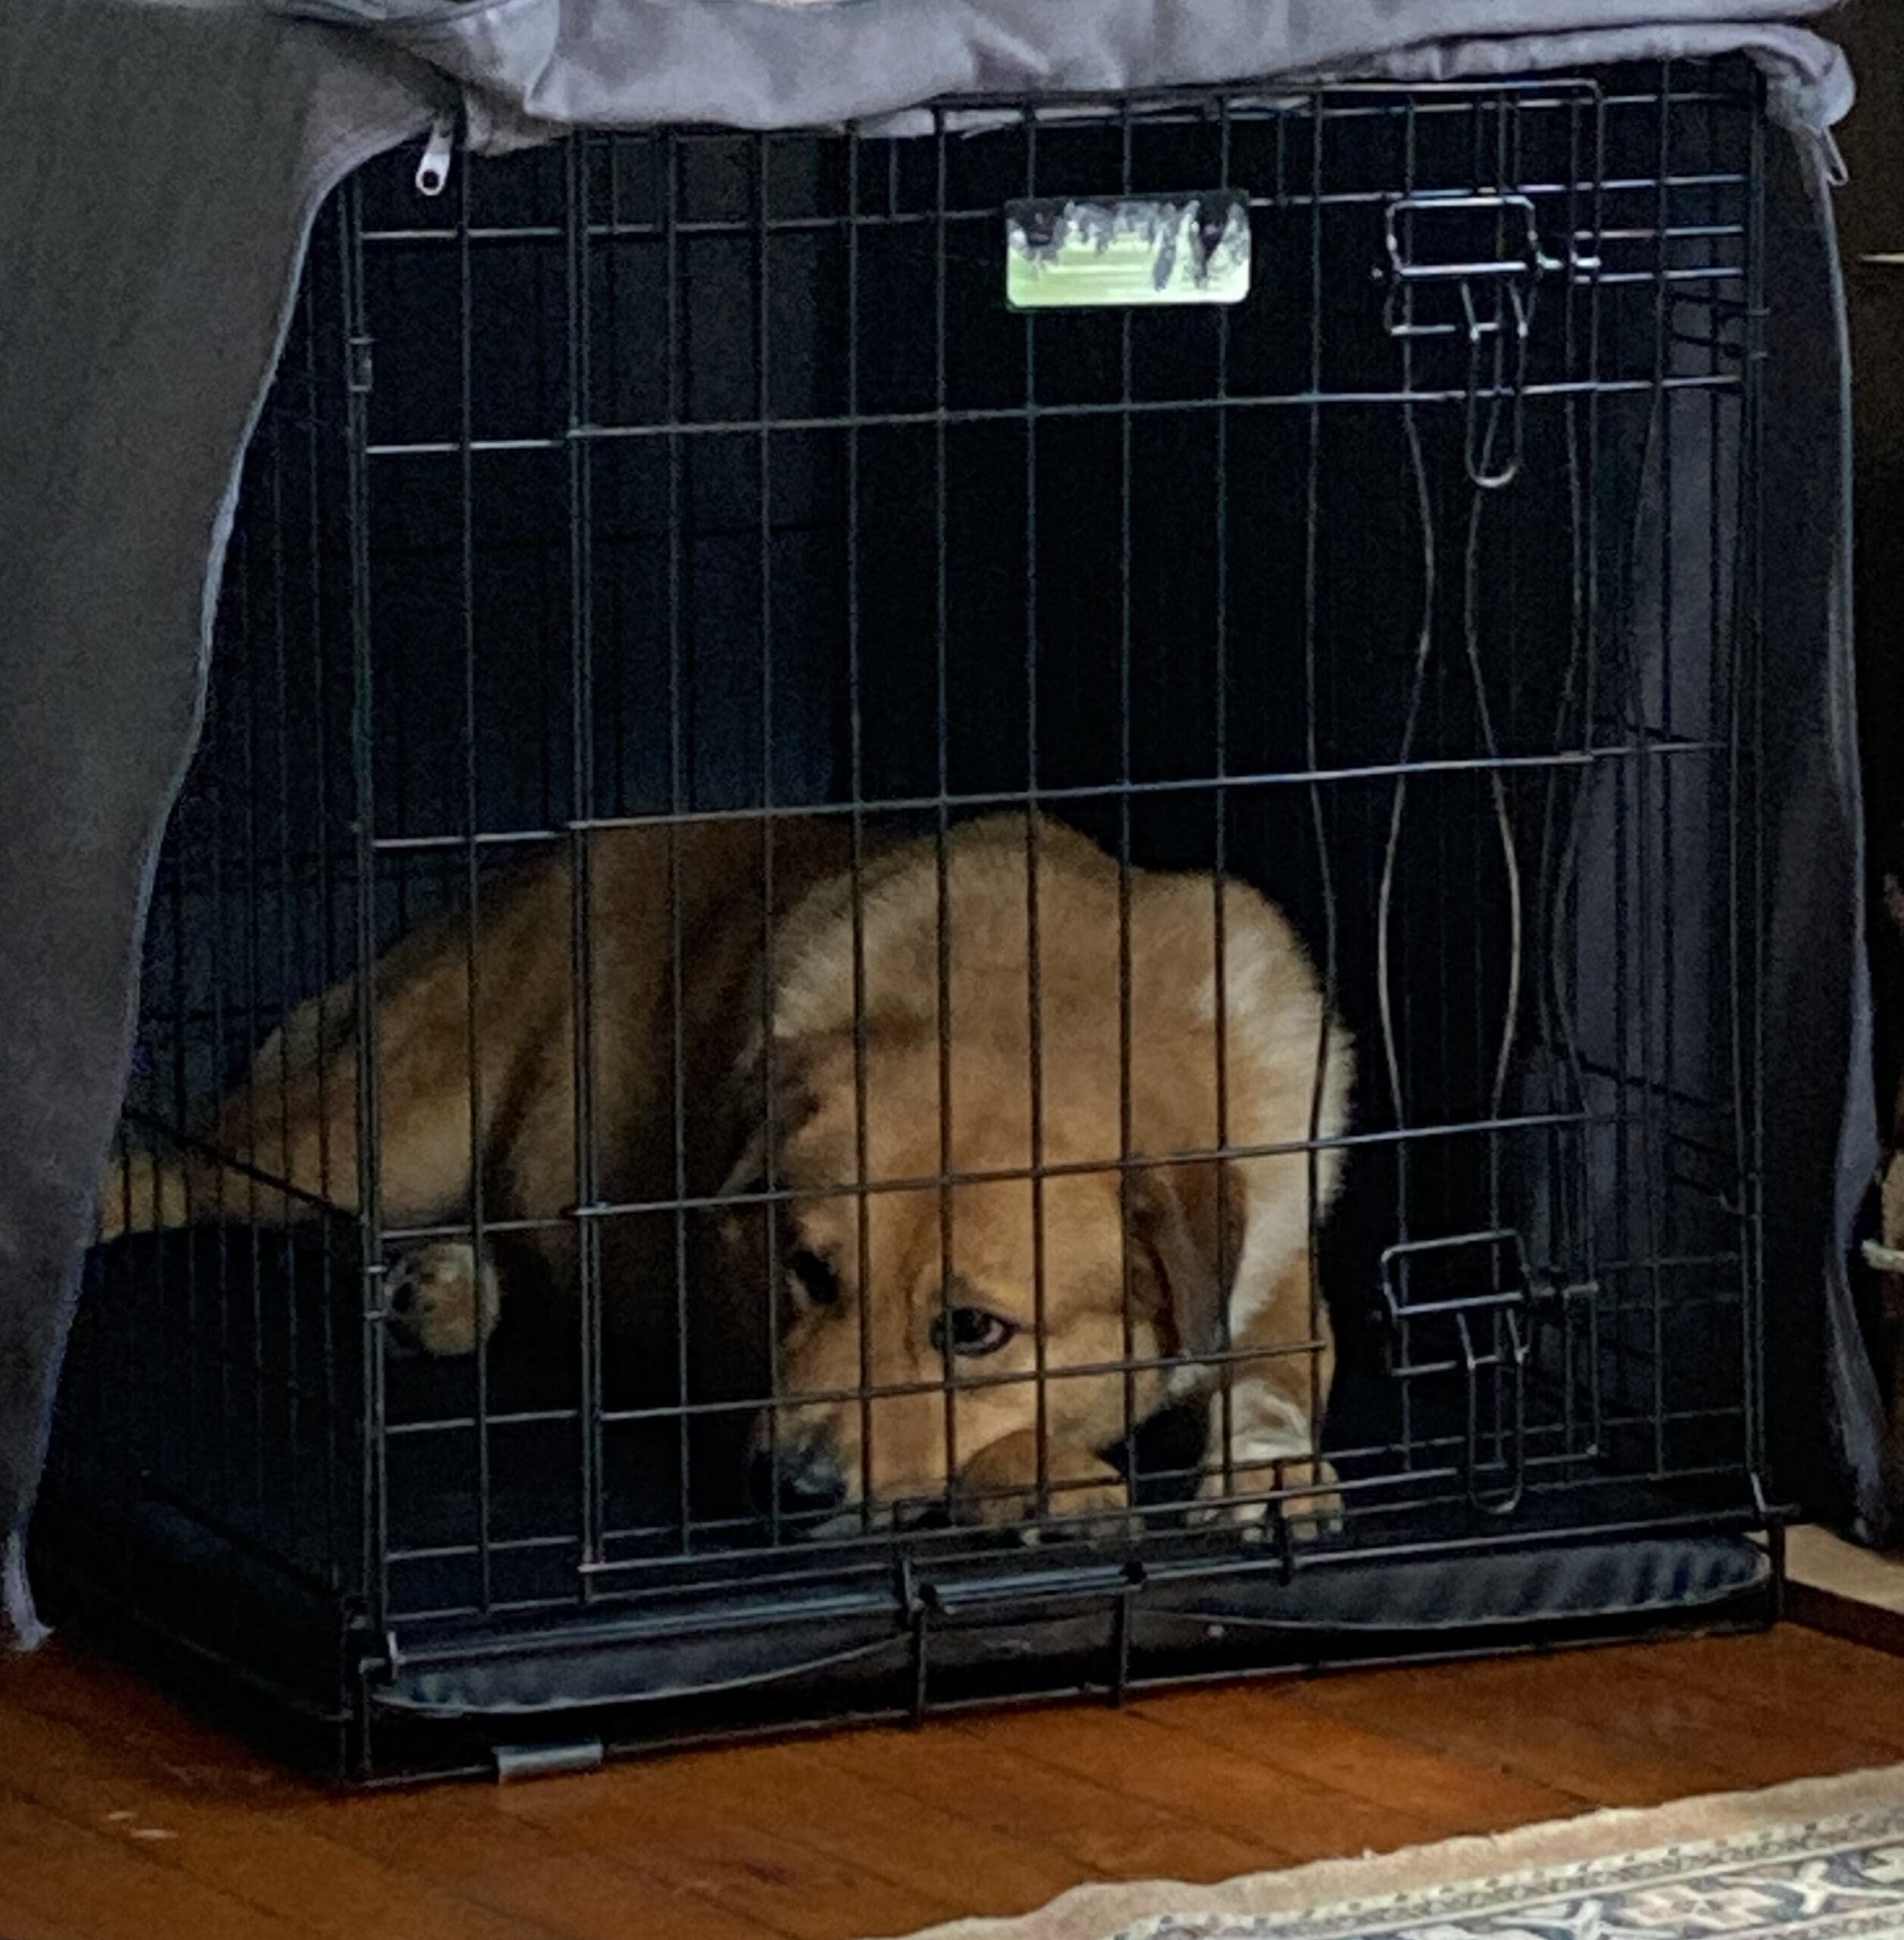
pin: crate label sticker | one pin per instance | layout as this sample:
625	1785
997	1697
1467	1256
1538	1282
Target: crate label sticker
1072	254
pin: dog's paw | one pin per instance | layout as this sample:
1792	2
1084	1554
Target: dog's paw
1303	1491
440	1300
1087	1497
1098	1512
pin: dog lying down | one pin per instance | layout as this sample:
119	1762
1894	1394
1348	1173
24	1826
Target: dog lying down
945	1303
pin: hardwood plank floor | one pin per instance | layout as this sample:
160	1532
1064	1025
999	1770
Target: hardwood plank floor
122	1818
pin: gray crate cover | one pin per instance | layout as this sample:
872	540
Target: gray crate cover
601	64
166	158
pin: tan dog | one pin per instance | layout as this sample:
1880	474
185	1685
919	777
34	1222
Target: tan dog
983	1344
953	1303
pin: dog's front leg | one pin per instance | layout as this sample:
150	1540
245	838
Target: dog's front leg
1264	1433
1263	1441
1000	1485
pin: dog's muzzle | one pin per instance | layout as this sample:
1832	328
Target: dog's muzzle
802	1480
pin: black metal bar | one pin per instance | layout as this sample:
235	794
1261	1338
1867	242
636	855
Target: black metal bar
472	806
942	826
680	591
856	732
674	428
374	1505
1630	748
579	486
1747	819
1034	995
770	1075
1221	516
1312	750
1126	487
1655	968
1346	1142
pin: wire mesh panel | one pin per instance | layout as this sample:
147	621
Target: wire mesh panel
1038	827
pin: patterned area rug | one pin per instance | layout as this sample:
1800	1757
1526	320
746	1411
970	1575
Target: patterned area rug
1823	1860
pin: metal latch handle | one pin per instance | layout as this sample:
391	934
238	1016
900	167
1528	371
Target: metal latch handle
1497	330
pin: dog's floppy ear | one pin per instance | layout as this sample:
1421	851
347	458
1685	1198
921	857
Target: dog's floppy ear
806	1069
1186	1220
760	1120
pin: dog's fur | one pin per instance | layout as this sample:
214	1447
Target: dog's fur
840	1004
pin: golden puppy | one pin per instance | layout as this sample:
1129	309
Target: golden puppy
982	1344
984	1313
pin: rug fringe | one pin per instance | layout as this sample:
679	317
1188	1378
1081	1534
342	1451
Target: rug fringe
1105	1912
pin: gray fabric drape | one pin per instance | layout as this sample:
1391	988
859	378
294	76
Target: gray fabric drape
547	64
1821	1133
164	167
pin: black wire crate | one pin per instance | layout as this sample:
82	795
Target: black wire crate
971	908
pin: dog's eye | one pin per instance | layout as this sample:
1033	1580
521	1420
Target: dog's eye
970	1331
814	1276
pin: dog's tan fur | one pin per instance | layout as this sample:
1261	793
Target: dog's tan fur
856	980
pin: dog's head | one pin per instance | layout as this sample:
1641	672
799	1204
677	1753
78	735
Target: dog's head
938	1307
915	1318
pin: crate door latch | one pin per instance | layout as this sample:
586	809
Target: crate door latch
1486	248
1460	1308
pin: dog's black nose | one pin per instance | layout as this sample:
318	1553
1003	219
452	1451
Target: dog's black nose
805	1482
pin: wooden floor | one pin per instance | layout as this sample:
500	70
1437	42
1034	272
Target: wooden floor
120	1816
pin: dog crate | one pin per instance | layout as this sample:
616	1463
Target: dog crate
1385	539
